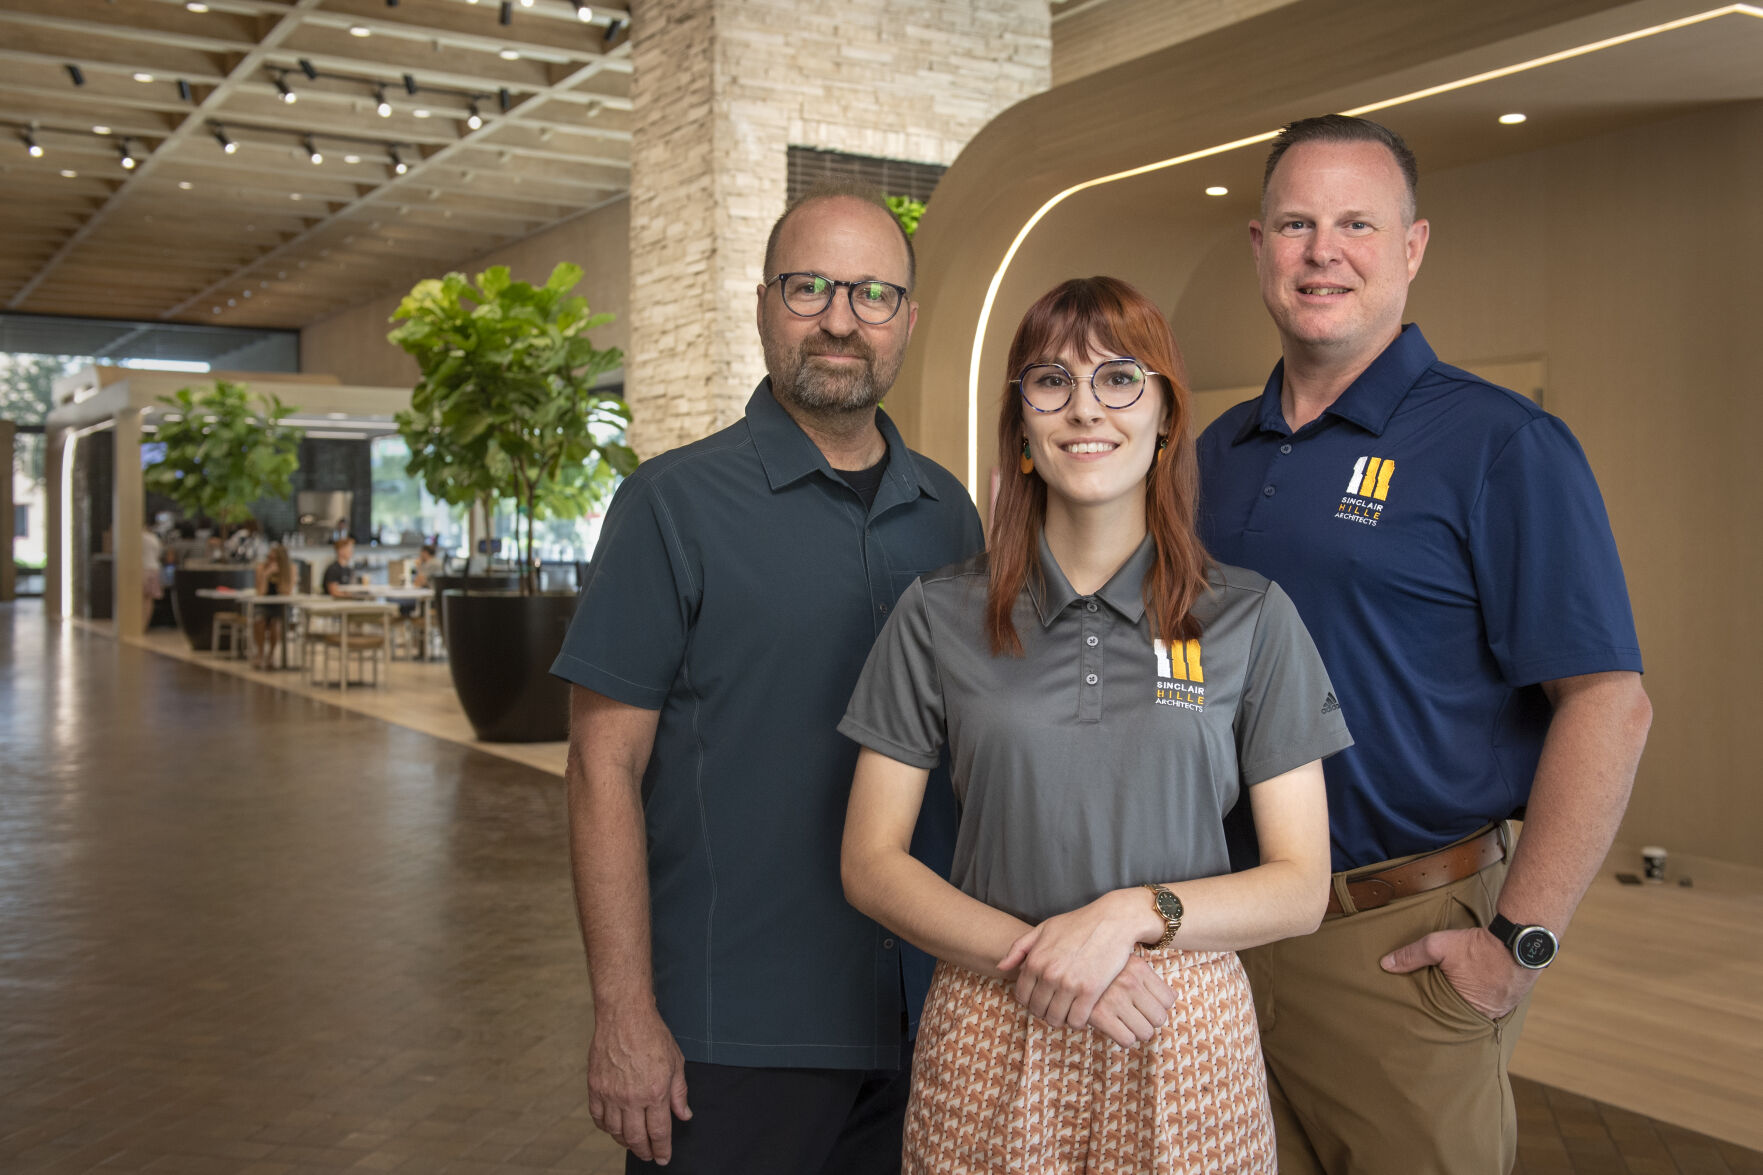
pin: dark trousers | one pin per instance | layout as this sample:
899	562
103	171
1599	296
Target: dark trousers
788	1122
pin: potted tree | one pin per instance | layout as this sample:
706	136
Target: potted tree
225	449
506	409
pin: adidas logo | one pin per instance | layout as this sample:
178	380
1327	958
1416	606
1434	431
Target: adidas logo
1329	705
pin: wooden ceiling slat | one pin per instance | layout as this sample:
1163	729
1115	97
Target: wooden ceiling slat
193	226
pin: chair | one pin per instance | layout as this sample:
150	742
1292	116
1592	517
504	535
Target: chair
232	624
363	647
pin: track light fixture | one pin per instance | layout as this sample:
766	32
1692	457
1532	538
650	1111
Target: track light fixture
612	27
128	155
184	91
310	70
30	144
312	151
226	144
398	164
285	90
410	84
79	79
384	108
504	99
474	120
583	12
507	16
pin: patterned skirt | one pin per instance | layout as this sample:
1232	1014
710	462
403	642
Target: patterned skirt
995	1089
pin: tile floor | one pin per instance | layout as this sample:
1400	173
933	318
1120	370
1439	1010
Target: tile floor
243	931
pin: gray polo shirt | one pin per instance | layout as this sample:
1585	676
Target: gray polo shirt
1100	759
737	588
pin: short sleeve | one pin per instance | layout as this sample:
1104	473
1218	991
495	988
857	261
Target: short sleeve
897	708
628	638
1552	593
1289	714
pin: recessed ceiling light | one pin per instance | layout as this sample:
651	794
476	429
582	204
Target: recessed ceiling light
360	30
293	195
351	159
196	6
185	185
143	77
69	173
1511	119
419	112
509	55
100	130
1218	190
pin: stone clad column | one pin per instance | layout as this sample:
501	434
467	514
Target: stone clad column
721	90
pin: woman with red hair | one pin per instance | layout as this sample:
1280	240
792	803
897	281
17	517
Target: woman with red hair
1105	693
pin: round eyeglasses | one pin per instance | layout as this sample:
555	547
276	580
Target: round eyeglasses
1116	383
807	295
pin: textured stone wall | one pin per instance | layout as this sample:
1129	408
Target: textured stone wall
722	89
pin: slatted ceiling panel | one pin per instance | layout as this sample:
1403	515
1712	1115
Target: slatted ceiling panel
186	233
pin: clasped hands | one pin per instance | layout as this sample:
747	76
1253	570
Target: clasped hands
1078	970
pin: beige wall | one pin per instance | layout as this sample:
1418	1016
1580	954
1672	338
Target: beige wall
1089	37
352	345
1628	264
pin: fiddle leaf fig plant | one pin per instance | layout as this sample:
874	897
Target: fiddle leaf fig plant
506	406
225	448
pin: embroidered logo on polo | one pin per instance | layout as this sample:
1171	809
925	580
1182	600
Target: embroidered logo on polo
1180	679
1368	489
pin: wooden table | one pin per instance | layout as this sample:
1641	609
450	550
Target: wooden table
248	600
347	610
423	598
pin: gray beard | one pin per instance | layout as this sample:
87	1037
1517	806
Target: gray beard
818	390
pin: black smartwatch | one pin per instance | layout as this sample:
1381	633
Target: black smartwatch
1533	947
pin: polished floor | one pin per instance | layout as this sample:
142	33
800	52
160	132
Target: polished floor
243	930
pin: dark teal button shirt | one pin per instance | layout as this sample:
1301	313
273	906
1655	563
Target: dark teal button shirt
737	588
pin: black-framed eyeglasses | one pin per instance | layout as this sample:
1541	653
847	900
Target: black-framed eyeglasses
807	295
1116	383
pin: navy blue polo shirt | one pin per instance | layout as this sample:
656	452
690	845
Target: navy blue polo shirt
737	587
1447	547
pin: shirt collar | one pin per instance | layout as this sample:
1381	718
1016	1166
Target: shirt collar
1124	592
788	455
1368	402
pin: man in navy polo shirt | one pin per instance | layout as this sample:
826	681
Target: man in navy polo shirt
747	1019
1448	549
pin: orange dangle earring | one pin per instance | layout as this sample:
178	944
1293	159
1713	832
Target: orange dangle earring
1027	462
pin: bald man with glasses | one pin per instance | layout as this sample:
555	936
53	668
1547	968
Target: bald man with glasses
747	1019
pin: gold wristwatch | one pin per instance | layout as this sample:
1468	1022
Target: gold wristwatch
1168	908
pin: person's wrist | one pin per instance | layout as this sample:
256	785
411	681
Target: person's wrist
1140	914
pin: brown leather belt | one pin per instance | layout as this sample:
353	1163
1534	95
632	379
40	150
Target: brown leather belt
1466	858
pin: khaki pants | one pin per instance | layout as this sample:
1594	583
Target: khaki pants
1377	1074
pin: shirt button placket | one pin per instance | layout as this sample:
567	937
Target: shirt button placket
1090	665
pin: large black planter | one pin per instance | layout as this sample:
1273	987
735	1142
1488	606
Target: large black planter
195	614
509	582
500	646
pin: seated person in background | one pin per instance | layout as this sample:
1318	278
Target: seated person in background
275	577
340	572
427	564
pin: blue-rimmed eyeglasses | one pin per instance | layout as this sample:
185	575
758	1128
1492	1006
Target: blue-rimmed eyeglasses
1116	383
809	294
